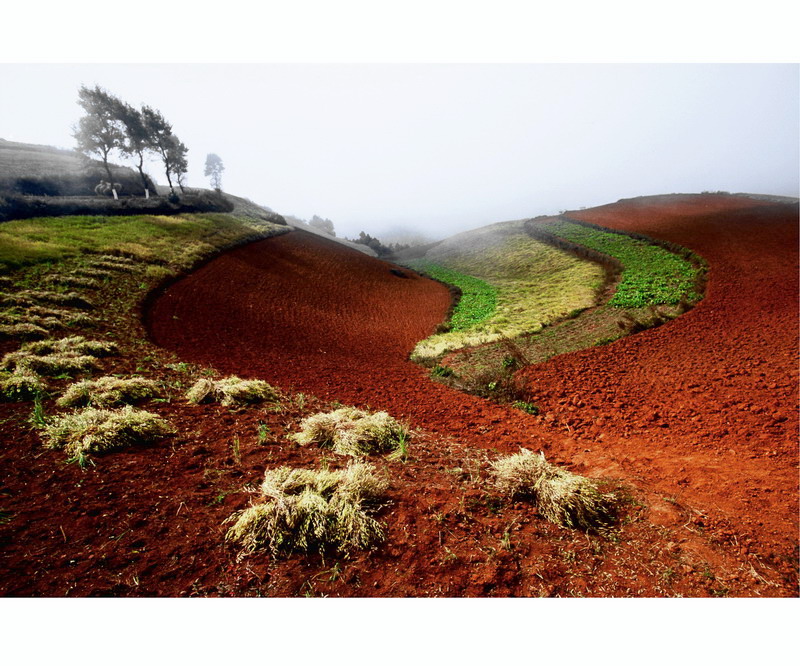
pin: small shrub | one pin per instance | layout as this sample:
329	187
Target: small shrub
308	510
528	407
442	371
563	498
231	391
20	386
96	430
510	362
108	392
353	432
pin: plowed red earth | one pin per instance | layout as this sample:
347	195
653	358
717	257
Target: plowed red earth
699	414
704	407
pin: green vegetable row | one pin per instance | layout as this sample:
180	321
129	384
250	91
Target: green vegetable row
478	298
651	275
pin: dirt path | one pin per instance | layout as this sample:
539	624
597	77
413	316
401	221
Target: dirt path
701	412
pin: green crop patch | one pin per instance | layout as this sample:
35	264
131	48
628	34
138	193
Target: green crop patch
651	275
478	298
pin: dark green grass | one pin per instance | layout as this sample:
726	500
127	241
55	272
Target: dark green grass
478	298
651	275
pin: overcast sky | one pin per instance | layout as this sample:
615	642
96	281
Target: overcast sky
442	148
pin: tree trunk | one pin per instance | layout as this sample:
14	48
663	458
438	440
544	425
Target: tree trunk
141	173
110	177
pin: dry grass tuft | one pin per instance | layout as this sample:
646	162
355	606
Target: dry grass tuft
69	299
75	344
54	357
96	430
108	392
46	317
74	281
49	364
20	386
312	510
231	391
109	265
91	273
23	330
564	498
116	259
353	432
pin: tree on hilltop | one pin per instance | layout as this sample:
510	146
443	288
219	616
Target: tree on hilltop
162	141
214	169
137	140
102	129
177	160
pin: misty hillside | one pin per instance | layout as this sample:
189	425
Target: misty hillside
32	169
303	226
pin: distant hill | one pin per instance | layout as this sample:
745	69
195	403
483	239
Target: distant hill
31	169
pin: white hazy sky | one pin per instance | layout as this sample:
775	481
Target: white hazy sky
441	148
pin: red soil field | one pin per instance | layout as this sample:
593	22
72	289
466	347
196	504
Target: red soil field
701	411
705	406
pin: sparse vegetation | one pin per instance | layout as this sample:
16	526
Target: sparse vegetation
97	430
353	432
312	510
108	392
231	391
563	498
20	386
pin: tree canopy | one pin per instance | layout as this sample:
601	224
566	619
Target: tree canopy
111	124
102	129
214	169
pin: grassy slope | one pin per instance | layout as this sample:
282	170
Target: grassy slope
175	239
535	284
65	170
